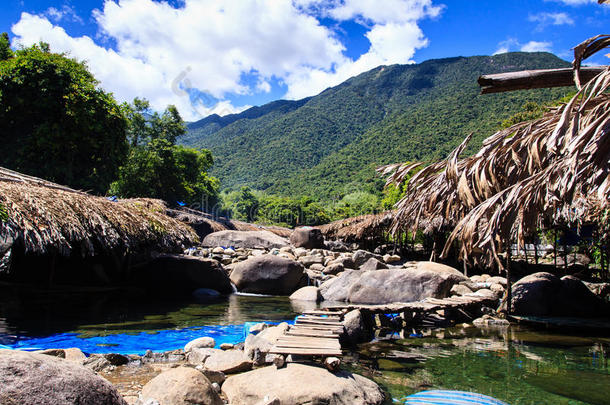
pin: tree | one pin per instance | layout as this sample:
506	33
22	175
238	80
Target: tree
156	167
55	122
5	47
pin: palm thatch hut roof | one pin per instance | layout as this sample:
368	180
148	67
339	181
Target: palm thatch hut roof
552	170
216	224
43	217
358	229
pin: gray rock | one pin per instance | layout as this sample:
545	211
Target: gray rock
96	363
267	274
34	379
373	264
217	377
394	285
346	262
355	330
309	293
116	359
298	384
181	386
333	268
544	294
307	237
460	289
362	256
337	289
200	343
229	362
184	274
198	356
309	260
245	239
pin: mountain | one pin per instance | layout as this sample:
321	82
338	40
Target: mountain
329	145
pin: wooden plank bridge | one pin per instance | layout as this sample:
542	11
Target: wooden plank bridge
315	333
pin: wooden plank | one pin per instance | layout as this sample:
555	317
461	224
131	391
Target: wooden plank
305	352
304	343
323	328
308	340
314	322
311	333
333	313
320	318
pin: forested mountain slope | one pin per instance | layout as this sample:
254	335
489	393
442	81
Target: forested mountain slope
329	145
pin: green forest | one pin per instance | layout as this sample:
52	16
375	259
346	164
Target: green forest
56	123
303	162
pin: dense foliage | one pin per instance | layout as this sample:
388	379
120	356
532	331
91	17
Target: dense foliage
55	122
328	146
158	168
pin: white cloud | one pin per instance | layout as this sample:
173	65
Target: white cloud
161	50
536	46
574	2
66	13
512	44
545	19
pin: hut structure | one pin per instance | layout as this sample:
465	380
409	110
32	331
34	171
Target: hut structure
42	223
363	230
205	223
534	175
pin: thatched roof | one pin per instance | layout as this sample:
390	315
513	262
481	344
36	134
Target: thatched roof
555	169
44	217
358	228
223	224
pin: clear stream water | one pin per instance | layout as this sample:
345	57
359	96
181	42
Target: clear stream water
516	365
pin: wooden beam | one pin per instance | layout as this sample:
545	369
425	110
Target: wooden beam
535	79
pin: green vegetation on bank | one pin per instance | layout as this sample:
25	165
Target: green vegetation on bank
57	124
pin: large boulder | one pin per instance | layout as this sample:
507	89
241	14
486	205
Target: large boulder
544	294
392	285
184	274
200	343
355	330
267	274
33	379
309	293
307	237
228	361
245	239
298	384
373	264
337	289
180	386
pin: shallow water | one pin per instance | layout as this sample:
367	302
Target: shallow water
132	326
517	365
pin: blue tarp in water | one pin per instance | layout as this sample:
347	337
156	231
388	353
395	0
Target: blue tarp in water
444	397
137	343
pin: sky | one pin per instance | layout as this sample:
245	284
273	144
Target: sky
223	56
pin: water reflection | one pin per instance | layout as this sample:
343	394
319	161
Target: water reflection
28	315
517	365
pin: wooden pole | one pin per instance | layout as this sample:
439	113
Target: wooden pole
509	286
535	79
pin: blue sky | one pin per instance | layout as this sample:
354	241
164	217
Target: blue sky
221	56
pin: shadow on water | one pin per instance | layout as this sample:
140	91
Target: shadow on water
26	313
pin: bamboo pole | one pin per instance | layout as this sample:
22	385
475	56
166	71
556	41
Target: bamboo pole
535	79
